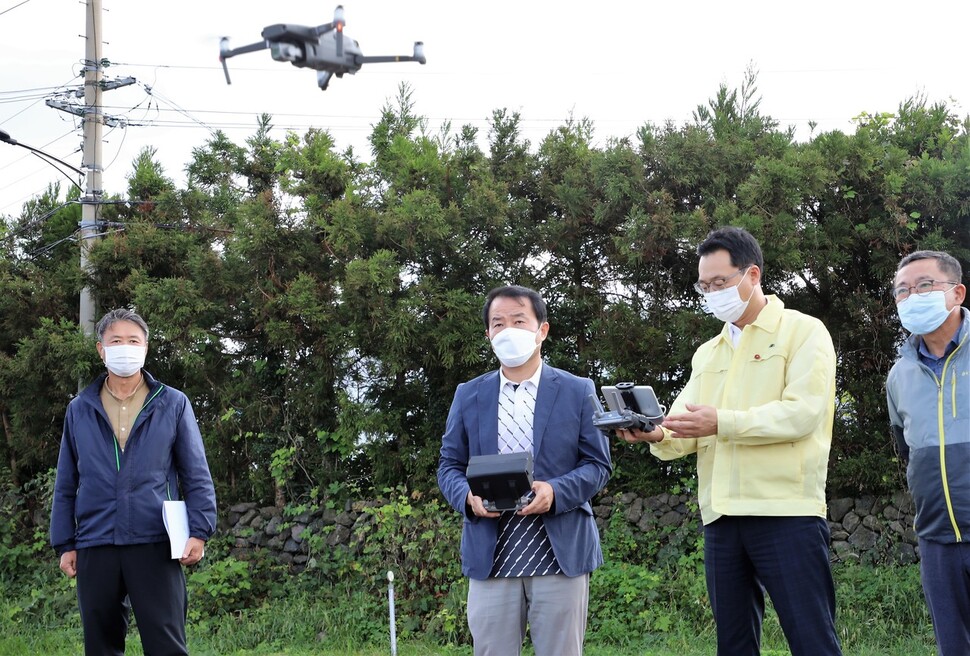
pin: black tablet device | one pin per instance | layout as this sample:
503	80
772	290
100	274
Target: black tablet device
503	481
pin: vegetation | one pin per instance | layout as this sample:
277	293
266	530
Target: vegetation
638	603
319	309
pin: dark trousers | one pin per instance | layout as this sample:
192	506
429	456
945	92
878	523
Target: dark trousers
945	572
144	574
789	558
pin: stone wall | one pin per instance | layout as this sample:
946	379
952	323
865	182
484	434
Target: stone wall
874	530
252	527
867	529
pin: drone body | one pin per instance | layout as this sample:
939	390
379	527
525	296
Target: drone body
323	49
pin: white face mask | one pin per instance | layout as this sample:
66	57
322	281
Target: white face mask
921	314
726	304
124	360
514	346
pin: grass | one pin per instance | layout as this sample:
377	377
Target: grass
293	628
68	643
881	613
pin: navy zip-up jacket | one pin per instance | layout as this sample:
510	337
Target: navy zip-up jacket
930	419
106	496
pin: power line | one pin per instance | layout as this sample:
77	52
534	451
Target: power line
10	118
45	146
124	136
35	192
36	222
333	116
14	7
20	99
172	103
29	90
43	250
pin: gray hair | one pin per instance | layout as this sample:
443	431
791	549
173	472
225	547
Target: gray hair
947	263
121	314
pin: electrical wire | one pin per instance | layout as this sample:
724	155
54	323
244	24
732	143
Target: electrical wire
184	112
35	192
20	4
44	147
45	89
20	99
124	136
60	86
51	246
36	222
56	165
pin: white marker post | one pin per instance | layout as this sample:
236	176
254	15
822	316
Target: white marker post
390	601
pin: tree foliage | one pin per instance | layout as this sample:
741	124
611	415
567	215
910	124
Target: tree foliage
320	310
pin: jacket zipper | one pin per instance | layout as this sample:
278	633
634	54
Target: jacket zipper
117	453
940	421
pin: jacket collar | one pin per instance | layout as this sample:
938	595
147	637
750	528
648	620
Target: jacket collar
92	393
545	400
768	319
488	391
910	348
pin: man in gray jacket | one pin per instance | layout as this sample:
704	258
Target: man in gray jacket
928	391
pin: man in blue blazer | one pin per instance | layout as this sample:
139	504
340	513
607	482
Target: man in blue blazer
531	566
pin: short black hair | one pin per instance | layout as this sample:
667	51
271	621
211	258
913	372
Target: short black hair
516	291
738	242
947	263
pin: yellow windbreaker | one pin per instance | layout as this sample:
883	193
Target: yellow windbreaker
775	400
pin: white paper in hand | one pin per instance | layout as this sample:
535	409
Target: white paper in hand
176	519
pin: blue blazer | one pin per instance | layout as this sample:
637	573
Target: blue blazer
569	453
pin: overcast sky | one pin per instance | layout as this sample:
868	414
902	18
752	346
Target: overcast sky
618	62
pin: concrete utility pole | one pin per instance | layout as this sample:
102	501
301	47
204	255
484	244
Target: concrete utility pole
90	203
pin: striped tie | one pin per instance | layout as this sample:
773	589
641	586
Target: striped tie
523	547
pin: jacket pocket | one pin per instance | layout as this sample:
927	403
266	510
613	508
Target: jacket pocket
772	471
767	364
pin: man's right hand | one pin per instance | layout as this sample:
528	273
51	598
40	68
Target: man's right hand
478	506
632	435
69	563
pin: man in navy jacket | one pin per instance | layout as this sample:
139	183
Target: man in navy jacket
129	444
531	566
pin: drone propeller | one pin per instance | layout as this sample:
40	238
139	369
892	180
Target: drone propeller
338	23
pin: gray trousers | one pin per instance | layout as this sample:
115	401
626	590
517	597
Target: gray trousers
553	606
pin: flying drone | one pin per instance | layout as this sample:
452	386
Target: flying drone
321	48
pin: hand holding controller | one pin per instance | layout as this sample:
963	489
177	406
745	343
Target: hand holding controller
631	407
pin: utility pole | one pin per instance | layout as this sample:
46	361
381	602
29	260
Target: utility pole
90	203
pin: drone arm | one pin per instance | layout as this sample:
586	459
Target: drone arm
386	59
242	50
225	52
418	56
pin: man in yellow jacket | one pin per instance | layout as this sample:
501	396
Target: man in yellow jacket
758	412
